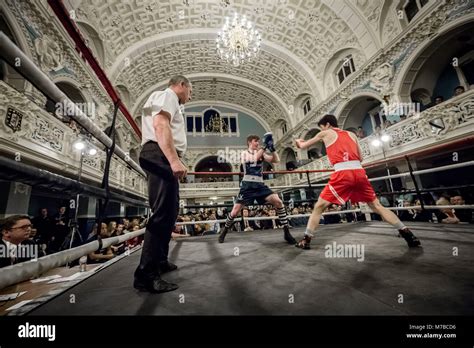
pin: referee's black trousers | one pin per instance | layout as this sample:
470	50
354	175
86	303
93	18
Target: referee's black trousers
163	194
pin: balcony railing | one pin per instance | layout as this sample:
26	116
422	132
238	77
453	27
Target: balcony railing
28	132
455	118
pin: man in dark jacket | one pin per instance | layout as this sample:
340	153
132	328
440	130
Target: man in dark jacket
15	246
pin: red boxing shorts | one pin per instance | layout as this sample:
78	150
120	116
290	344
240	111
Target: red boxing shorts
347	185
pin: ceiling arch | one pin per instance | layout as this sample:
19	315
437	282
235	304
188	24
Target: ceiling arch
259	89
238	95
149	40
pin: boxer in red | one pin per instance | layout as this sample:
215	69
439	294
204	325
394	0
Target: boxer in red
349	182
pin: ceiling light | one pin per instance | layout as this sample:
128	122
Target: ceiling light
376	143
238	41
79	145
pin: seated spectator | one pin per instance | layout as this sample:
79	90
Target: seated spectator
213	228
446	215
15	246
360	133
257	224
103	254
438	100
383	199
275	223
458	91
332	218
179	230
404	215
133	242
464	215
118	248
295	221
415	214
246	226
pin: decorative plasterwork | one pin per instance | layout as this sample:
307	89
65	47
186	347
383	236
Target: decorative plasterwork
52	50
396	55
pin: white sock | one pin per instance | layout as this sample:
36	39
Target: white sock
309	233
399	225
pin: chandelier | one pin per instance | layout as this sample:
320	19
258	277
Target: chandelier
238	41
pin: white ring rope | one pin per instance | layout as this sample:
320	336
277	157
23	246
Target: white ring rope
26	270
365	211
417	172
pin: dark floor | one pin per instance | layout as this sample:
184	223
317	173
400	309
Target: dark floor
269	277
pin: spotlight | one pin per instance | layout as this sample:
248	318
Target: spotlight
92	151
376	143
385	138
79	145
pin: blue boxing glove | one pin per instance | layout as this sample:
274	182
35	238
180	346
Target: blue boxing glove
268	142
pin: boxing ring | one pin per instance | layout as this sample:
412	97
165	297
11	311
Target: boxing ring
258	273
269	277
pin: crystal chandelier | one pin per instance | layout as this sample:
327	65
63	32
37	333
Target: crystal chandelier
238	41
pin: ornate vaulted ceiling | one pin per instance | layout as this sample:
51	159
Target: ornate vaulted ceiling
146	41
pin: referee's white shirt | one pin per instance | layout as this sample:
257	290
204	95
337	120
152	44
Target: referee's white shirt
168	101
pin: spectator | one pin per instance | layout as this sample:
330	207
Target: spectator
383	200
118	248
417	214
61	230
111	227
103	254
464	215
438	100
360	133
247	227
45	226
126	223
446	215
332	218
15	246
458	91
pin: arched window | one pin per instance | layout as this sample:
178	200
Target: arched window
211	164
75	95
307	106
412	7
346	68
